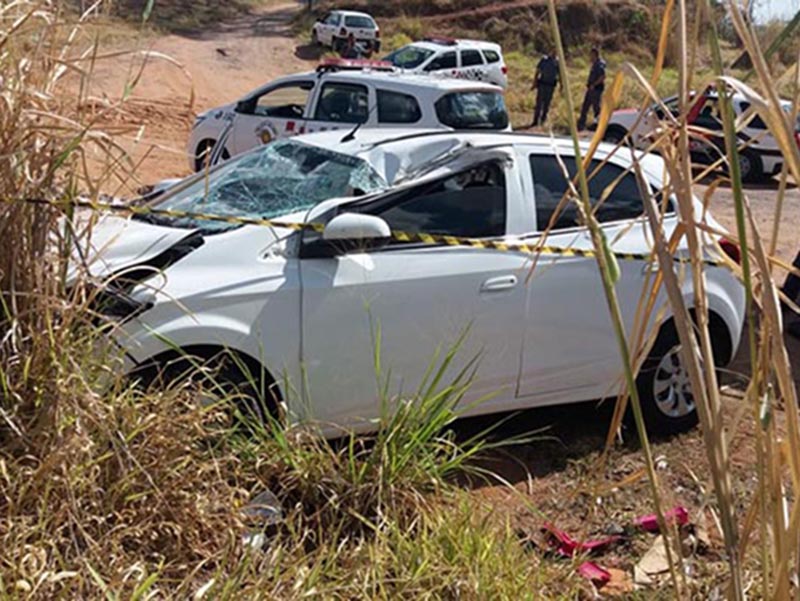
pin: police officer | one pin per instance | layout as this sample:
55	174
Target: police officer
594	88
544	82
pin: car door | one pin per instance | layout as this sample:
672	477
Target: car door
409	301
570	351
445	63
274	112
471	65
328	28
342	105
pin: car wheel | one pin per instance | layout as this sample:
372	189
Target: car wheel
314	37
615	135
338	44
222	378
665	391
750	166
204	152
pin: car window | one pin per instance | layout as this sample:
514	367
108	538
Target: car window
709	117
447	60
359	22
332	19
394	107
409	57
491	56
624	201
286	101
471	204
342	103
286	176
470	58
472	110
756	122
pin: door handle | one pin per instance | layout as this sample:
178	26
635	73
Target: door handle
500	283
650	267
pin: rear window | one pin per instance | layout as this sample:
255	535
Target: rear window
360	22
470	58
472	110
394	107
409	57
491	56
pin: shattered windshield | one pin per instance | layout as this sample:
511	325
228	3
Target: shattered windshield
284	177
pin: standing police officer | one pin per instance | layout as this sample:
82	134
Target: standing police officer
594	88
544	82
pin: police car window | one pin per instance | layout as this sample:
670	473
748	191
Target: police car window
443	61
342	103
491	56
470	58
394	107
624	201
471	204
409	57
756	122
472	110
287	102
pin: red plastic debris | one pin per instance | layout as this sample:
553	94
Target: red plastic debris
678	516
565	545
594	572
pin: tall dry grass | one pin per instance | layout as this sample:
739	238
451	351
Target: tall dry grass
773	517
106	491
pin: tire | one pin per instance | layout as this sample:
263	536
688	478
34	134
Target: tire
314	38
222	377
337	44
750	166
665	393
203	153
615	135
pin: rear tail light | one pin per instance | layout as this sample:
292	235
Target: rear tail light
797	138
731	249
377	32
504	69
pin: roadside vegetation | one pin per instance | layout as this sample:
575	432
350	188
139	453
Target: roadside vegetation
111	491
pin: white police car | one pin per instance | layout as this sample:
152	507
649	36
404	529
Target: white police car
340	95
450	57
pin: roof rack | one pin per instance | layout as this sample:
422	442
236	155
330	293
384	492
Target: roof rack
440	39
353	64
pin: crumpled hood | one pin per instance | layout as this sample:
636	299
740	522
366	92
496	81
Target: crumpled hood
117	243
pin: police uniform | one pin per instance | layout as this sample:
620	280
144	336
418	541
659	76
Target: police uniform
594	92
546	80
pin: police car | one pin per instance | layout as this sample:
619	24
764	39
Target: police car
340	95
335	27
759	153
464	59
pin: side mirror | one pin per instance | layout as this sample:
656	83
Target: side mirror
355	227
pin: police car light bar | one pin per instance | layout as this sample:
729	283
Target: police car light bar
354	64
441	39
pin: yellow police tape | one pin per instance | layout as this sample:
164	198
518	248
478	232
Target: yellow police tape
400	236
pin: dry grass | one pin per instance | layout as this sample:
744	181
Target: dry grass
110	491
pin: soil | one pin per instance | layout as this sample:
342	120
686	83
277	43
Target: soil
559	477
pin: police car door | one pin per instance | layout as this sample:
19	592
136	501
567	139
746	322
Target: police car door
274	112
341	105
471	65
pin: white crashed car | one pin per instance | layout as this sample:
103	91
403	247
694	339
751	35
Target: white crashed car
335	28
759	157
300	307
340	95
450	57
